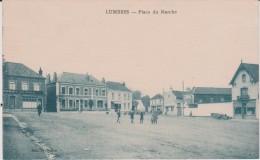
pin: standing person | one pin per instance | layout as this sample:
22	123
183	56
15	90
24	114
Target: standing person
118	116
141	117
39	108
132	116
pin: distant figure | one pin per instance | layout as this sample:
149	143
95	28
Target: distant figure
154	117
132	116
39	108
190	113
141	117
118	117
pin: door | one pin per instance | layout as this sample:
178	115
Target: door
178	111
12	102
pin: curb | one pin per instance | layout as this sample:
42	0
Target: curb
24	127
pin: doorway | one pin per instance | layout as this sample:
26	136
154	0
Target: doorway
12	102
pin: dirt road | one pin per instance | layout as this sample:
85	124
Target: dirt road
97	135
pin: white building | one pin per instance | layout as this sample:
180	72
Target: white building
245	91
119	97
173	102
156	103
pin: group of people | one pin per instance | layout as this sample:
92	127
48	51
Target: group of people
153	118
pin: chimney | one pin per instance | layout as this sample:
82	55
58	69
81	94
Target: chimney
87	77
123	84
40	71
103	80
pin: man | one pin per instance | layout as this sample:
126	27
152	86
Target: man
141	117
118	117
132	116
39	108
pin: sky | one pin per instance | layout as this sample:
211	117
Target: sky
202	44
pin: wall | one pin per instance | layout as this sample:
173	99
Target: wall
207	109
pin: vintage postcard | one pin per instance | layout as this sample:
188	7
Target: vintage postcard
130	79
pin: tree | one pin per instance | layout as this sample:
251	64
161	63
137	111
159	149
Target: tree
146	101
90	103
137	95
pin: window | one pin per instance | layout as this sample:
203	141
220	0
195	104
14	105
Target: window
222	99
211	100
86	103
36	86
71	103
103	92
85	91
113	95
70	90
96	92
63	90
119	96
29	102
124	96
63	103
244	91
128	105
128	96
250	111
243	78
77	91
25	86
12	85
238	110
124	105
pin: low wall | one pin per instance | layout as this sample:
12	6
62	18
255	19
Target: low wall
207	109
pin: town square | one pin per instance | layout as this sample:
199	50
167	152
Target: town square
130	80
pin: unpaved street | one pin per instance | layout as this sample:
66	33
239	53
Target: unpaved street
97	135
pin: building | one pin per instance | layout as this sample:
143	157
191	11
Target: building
156	103
119	97
245	91
22	87
140	106
173	102
76	92
202	95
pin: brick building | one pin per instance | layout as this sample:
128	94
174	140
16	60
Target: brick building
22	87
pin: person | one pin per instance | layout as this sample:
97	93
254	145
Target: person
141	117
132	117
118	117
39	108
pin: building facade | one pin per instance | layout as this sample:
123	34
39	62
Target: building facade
76	92
206	95
119	97
156	103
22	87
245	91
173	102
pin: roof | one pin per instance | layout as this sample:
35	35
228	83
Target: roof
19	69
210	90
117	86
251	69
157	96
67	77
178	94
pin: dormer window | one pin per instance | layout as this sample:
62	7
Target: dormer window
243	78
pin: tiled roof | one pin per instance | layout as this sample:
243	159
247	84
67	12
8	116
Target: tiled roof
252	69
178	94
158	96
79	79
117	86
210	90
19	69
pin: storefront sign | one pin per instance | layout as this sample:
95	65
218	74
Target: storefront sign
22	92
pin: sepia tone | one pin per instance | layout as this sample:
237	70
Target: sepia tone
130	79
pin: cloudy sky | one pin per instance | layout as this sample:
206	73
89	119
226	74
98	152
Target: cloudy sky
202	44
